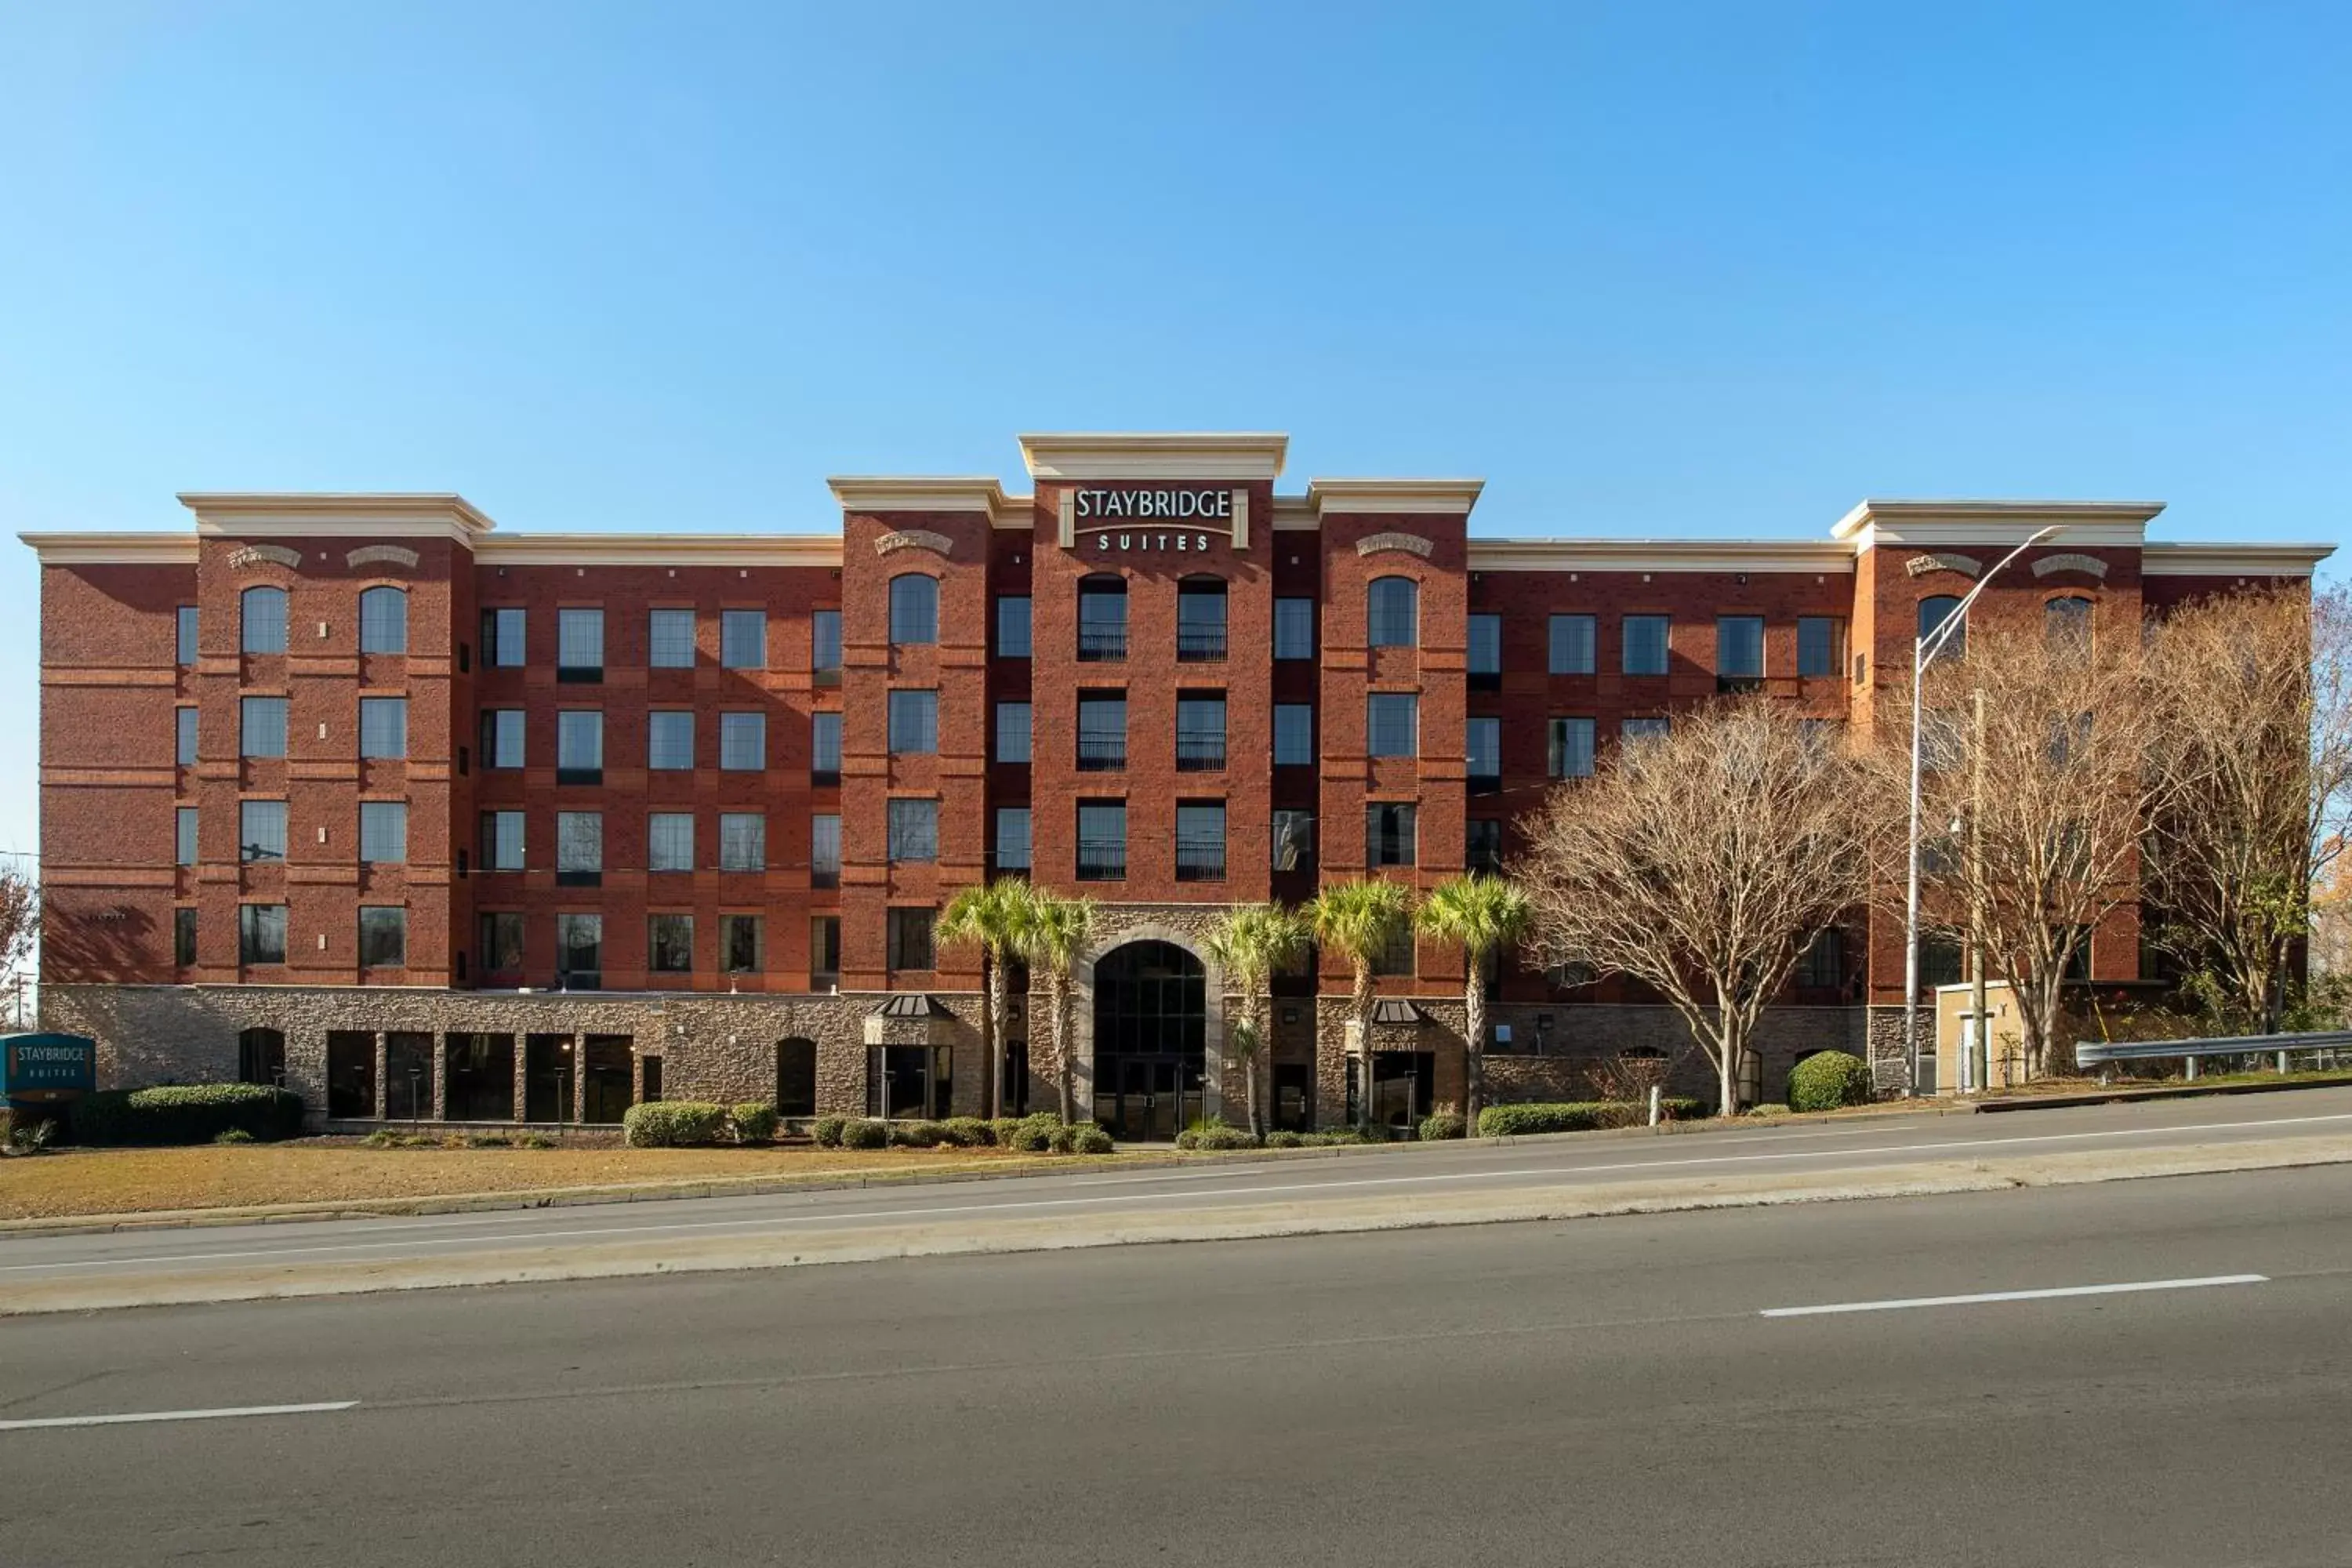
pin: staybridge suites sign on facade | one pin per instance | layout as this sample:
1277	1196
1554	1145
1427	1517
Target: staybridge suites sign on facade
1156	506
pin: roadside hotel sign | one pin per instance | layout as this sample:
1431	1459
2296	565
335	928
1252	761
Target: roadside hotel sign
1104	520
1154	506
46	1066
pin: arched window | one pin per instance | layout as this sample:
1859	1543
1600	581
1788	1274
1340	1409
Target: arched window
383	620
1102	618
1934	611
1201	618
1392	613
261	1057
2067	624
795	1077
263	612
914	608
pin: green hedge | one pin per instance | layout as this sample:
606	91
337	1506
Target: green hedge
969	1131
187	1113
754	1122
1086	1138
1576	1116
674	1123
826	1130
1827	1079
866	1134
1442	1124
1215	1135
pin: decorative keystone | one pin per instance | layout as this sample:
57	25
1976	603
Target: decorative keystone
1920	565
1410	543
254	555
914	539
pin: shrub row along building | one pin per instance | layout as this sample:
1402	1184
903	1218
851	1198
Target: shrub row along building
426	821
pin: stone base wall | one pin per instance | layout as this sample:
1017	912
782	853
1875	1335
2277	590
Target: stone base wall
1890	1064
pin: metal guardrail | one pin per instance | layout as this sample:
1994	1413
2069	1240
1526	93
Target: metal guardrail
2090	1053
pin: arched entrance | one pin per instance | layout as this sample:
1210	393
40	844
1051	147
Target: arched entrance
1150	1039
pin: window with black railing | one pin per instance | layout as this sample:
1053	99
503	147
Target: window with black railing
1102	620
1739	653
1102	841
1102	734
1201	843
1200	735
1200	620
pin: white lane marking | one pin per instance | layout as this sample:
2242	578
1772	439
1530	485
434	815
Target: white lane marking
138	1416
1928	1149
1982	1299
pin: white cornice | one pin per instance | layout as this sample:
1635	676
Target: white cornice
660	550
1295	514
2086	524
1014	512
263	514
113	549
1660	555
1354	497
874	495
1155	455
2168	560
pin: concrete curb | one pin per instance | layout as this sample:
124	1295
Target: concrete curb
2169	1091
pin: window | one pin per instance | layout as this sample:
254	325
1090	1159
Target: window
1821	646
824	748
260	1056
1482	849
184	718
914	721
1200	733
261	726
501	737
580	746
796	1077
1573	641
502	638
1294	841
183	936
1482	740
669	739
1934	611
914	608
383	620
1646	641
910	938
184	631
263	620
669	639
1102	618
1388	834
580	950
1571	748
1941	961
1012	627
502	841
2066	624
1293	629
1738	652
1629	730
914	830
1294	734
1102	841
742	841
1012	838
824	944
383	832
824	646
383	937
1102	734
1398	956
1199	619
1012	731
579	848
741	947
1823	963
670	943
1201	843
501	942
669	841
742	741
825	850
383	726
1392	613
743	639
261	933
261	831
184	836
1392	724
1485	652
580	645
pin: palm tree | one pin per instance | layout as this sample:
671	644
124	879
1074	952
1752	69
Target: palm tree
1358	921
1482	915
994	919
1059	930
1250	944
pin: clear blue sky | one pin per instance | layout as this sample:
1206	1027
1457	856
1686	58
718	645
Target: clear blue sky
1648	267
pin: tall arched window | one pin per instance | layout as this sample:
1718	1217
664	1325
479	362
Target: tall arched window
1102	618
796	1077
383	620
263	620
914	608
1934	611
1392	613
2067	624
1201	618
261	1057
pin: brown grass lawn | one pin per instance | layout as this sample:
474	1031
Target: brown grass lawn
128	1181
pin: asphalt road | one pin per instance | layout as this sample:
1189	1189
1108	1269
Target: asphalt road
1455	1169
1606	1391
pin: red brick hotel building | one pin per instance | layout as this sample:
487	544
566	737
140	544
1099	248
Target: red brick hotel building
431	822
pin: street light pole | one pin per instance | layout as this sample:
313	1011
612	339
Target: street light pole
1923	649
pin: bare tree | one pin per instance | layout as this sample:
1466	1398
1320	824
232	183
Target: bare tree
2037	785
1700	862
2253	693
20	924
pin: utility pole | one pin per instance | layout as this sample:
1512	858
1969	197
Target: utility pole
1979	1034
